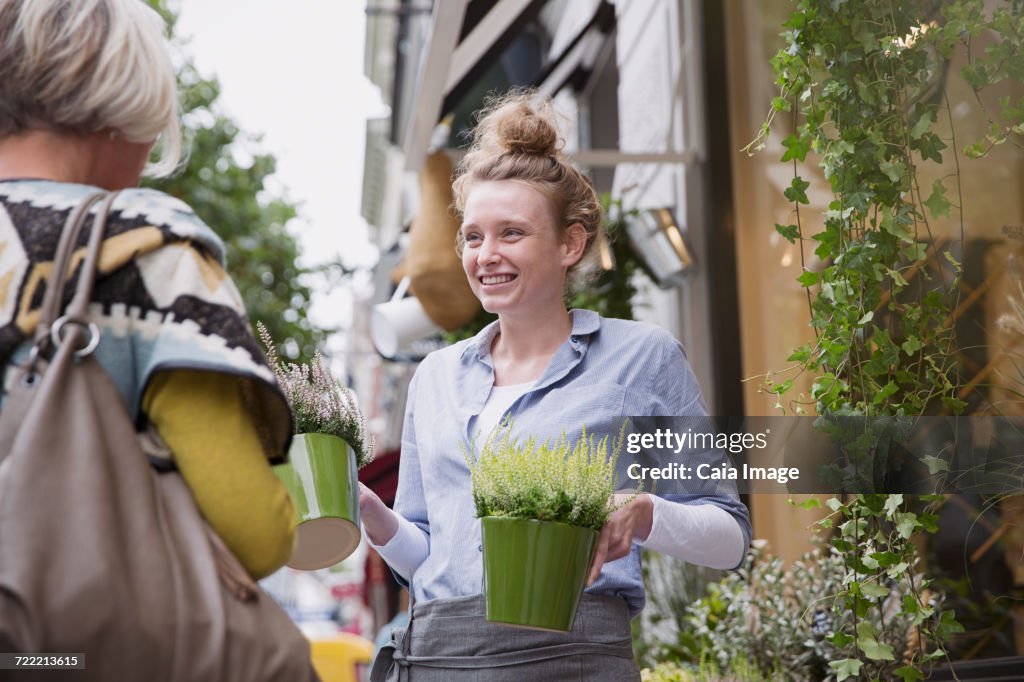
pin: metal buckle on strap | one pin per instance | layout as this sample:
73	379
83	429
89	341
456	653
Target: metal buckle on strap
94	334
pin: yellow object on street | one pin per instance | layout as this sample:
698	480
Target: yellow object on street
335	659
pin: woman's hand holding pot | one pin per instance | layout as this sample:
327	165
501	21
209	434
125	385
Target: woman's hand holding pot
632	520
380	522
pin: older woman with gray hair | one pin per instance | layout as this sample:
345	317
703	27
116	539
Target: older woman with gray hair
87	88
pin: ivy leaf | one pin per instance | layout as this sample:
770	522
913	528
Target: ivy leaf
868	316
874	590
897	279
955	404
796	21
947	625
796	148
896	229
915	252
893	170
797	191
930	522
883	393
930	147
892	504
811	503
840	639
976	75
808	278
790	232
935	464
874	649
908	673
911	345
923	125
906	524
885	559
866	630
899	569
976	150
846	668
937	202
801	354
834	504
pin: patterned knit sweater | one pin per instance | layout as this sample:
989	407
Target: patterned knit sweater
162	298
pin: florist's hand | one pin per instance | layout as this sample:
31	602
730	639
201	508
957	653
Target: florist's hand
632	520
379	521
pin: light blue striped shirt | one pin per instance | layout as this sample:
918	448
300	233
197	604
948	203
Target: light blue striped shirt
606	370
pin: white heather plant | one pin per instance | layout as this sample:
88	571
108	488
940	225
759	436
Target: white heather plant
570	483
320	404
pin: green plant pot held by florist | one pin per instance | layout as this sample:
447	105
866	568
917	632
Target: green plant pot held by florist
541	508
329	447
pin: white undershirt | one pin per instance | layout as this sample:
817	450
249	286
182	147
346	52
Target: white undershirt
498	402
408	548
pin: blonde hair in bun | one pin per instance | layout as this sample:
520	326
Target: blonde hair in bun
516	138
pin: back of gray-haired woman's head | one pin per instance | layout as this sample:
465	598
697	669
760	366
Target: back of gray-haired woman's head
86	66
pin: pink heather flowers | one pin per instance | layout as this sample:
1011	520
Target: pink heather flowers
319	403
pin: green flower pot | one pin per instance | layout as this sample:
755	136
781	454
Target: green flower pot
534	571
322	479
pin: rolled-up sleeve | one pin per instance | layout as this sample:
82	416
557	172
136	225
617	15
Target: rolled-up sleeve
410	501
694	534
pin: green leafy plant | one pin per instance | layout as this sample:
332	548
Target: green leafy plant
660	632
560	481
865	83
738	670
613	291
320	404
779	622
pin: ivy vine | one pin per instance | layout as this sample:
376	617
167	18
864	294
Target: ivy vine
865	85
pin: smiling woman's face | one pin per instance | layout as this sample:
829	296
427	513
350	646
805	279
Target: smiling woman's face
514	254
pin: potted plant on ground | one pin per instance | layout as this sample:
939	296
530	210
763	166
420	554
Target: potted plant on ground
541	507
330	444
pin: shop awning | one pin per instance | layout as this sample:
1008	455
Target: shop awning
465	39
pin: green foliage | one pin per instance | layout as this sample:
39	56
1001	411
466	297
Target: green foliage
865	85
792	623
225	184
738	670
661	633
612	293
860	80
566	482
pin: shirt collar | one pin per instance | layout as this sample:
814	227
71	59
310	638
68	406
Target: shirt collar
584	323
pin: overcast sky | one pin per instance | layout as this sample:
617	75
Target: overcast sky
293	71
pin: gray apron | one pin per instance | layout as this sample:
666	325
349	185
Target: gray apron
449	640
